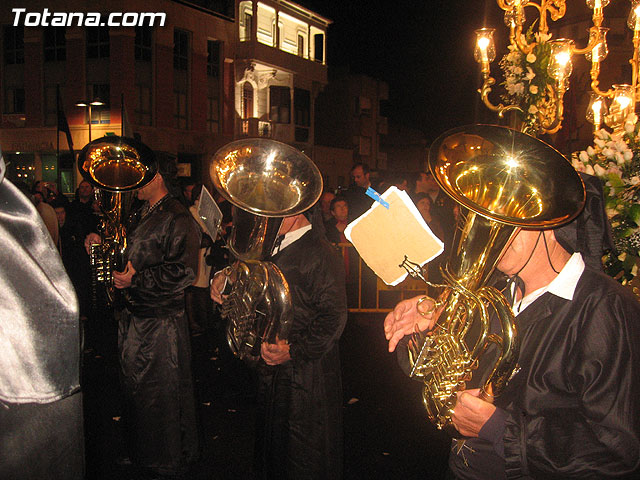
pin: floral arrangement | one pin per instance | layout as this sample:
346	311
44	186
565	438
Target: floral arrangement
615	158
526	80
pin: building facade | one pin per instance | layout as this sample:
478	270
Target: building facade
183	77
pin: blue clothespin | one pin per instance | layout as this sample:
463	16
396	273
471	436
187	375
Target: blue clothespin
376	196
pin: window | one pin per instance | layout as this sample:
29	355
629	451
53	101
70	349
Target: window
55	45
98	42
318	40
180	112
363	106
142	108
144	43
14	100
247	100
213	58
300	46
100	113
280	104
13	45
180	49
302	107
213	115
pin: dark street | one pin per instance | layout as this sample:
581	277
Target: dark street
386	432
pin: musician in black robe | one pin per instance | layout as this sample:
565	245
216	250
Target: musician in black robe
570	408
299	423
153	334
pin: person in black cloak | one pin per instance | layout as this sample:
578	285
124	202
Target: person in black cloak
153	332
299	422
569	409
41	426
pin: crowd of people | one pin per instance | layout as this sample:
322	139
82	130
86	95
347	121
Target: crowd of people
565	415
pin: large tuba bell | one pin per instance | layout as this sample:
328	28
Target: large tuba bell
504	180
265	180
116	166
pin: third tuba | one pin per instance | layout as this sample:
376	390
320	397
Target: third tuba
503	181
265	181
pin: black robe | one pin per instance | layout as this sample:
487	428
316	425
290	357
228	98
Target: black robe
153	338
300	418
572	411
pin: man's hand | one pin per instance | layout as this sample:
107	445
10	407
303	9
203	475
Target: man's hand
123	279
406	318
91	239
471	412
217	286
275	353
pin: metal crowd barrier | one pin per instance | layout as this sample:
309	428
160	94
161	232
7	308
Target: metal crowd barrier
366	292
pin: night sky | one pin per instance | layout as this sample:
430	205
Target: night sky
422	48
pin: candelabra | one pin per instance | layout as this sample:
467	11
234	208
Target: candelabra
537	68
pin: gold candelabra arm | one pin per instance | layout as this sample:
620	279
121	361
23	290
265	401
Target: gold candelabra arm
595	73
550	112
594	40
485	90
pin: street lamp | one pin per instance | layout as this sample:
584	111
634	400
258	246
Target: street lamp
84	103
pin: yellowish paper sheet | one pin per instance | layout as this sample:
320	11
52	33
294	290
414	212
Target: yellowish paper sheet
384	236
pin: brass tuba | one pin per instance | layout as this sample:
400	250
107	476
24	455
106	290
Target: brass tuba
503	181
266	181
116	166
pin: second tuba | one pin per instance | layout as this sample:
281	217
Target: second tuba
504	181
116	167
265	181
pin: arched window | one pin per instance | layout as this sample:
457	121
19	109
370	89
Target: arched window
247	100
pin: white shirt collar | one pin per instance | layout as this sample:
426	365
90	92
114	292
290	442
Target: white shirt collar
563	286
291	237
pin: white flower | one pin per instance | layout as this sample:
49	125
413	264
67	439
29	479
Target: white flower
533	89
621	146
635	180
622	256
619	158
599	142
632	118
591	151
600	172
530	74
577	164
602	134
608	152
533	109
531	58
589	169
542	37
628	155
613	168
629	127
634	269
583	156
517	70
515	88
